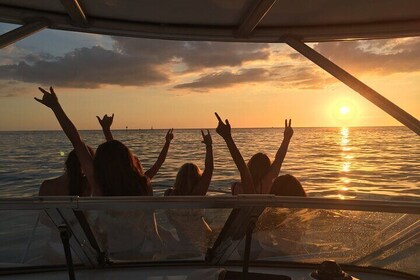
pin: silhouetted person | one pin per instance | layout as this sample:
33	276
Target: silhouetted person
279	231
192	229
257	176
106	123
73	182
287	185
190	180
113	171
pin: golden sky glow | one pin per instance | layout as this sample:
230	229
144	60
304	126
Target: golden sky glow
149	84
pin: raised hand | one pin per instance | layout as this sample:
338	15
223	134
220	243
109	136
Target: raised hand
288	130
162	156
106	121
169	135
223	129
206	138
49	99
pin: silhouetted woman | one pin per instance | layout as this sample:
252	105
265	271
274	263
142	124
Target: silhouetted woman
113	171
106	123
190	180
257	176
73	182
192	229
287	185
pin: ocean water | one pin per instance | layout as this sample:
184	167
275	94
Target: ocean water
345	163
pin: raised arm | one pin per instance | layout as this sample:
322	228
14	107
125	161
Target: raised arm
50	100
204	183
224	130
162	156
106	123
278	161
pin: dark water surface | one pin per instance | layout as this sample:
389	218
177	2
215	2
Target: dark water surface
366	163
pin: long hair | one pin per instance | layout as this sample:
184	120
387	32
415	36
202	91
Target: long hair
77	180
287	185
118	172
188	176
258	166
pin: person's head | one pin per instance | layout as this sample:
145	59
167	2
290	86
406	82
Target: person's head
258	166
188	176
77	180
118	172
287	185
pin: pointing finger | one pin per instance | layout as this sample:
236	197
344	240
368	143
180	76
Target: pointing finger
99	119
218	117
52	90
285	122
290	122
208	132
112	115
227	122
202	133
43	90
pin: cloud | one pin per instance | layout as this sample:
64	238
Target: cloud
226	79
84	67
288	76
144	62
380	56
195	55
131	62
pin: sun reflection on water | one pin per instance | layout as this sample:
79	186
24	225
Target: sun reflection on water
346	161
345	148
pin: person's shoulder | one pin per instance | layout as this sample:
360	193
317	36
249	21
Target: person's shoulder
55	186
45	188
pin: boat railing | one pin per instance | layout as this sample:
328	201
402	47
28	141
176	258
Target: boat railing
194	202
70	216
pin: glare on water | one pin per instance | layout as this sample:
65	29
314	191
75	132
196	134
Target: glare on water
348	162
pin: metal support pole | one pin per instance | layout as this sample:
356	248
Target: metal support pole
248	240
65	235
364	90
253	16
21	32
75	12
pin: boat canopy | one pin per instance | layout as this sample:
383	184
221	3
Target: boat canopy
221	20
112	231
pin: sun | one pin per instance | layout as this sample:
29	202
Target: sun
344	110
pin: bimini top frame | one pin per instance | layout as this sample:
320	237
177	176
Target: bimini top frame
281	21
220	20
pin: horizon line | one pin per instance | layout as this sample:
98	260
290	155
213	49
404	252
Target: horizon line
198	128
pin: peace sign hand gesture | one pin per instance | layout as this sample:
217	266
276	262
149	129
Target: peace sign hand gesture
223	129
106	121
206	138
288	130
169	135
49	99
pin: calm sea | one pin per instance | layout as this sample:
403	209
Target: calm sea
365	163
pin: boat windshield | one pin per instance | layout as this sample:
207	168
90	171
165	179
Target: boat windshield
208	230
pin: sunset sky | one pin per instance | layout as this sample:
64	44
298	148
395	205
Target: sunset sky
180	84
